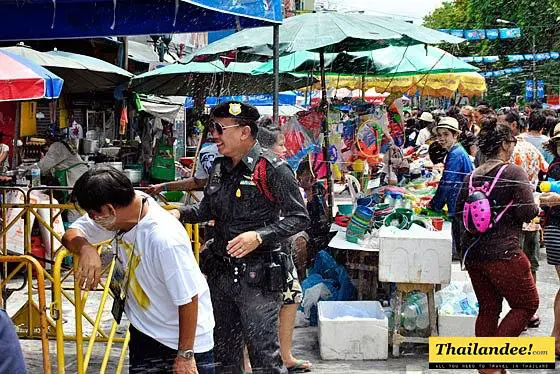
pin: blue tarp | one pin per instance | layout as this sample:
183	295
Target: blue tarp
285	98
52	19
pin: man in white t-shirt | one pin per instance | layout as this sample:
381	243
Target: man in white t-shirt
167	298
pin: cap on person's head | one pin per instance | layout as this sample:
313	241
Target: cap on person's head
427	117
449	123
236	110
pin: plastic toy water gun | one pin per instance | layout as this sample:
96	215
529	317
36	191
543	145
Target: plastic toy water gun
550	185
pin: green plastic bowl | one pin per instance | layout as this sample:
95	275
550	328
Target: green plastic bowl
173	196
345	209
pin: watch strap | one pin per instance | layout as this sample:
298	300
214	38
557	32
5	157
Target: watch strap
186	353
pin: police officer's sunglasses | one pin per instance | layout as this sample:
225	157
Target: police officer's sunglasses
216	127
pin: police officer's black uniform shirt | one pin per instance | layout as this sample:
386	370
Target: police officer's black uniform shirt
236	204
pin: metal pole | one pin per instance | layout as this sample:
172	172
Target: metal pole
325	125
276	67
534	71
15	157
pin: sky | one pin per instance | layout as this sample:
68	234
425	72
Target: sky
412	9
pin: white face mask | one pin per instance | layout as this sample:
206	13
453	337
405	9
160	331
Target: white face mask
107	222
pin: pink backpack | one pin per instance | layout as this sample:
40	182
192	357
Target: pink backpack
478	214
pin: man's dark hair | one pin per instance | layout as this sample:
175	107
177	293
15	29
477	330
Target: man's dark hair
513	116
484	103
537	121
102	185
536	105
268	132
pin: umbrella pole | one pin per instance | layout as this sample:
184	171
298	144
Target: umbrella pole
16	136
325	125
276	67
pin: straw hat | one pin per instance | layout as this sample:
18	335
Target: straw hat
449	123
427	117
552	143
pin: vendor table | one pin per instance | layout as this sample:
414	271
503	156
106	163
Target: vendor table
362	259
415	259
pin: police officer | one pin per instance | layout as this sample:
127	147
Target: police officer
246	269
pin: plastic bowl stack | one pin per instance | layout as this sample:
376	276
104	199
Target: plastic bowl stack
359	224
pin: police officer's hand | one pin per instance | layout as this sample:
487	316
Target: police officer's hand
243	244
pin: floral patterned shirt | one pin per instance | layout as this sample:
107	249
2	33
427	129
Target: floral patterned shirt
529	158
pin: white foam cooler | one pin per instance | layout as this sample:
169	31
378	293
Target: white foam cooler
415	255
353	330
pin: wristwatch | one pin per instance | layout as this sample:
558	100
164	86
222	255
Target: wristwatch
259	239
187	353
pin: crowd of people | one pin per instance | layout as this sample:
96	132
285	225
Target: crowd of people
236	311
511	152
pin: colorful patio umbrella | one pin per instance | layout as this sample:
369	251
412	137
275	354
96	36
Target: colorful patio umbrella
22	79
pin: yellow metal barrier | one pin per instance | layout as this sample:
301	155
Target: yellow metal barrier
33	264
66	294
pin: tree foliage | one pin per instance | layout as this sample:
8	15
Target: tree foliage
539	21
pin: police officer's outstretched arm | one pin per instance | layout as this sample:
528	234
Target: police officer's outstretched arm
196	213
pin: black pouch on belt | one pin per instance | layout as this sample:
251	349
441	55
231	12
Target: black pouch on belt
277	277
255	273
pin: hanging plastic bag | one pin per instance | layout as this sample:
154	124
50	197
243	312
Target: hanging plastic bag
297	141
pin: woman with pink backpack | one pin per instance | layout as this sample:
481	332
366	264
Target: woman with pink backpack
494	201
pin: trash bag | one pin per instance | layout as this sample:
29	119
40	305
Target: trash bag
327	280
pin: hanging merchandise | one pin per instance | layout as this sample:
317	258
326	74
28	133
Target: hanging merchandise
396	126
123	121
297	140
311	121
368	138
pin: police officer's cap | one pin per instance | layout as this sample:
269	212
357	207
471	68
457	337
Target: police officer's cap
236	110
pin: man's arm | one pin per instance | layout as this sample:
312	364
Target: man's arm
89	266
188	316
189	184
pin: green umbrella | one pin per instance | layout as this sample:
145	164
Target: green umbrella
389	61
325	31
212	79
80	73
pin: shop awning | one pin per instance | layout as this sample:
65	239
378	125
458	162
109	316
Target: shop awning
56	19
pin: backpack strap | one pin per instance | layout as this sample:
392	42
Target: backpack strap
500	215
498	175
260	180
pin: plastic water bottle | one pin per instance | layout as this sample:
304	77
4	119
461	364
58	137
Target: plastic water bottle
35	176
416	312
388	311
